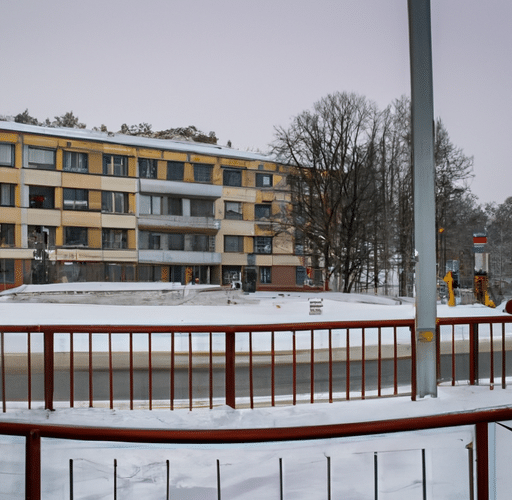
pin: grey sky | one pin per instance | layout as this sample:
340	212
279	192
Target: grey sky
241	67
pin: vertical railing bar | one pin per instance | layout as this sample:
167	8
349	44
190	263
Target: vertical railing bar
503	358
347	364
110	372
294	366
312	361
273	368
330	366
491	340
90	372
395	362
413	364
71	493
251	381
210	373
150	369
29	370
363	363
2	354
48	339
190	371
472	364
171	382
379	363
438	352
131	369
167	492
453	356
71	370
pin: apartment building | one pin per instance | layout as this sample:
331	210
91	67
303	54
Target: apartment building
79	205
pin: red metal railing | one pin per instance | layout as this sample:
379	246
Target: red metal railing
35	433
235	366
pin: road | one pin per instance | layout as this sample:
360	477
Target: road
16	383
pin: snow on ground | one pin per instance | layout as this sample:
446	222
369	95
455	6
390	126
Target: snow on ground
252	471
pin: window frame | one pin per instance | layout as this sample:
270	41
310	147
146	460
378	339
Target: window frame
33	202
260	176
84	241
171	165
109	202
260	244
7	190
111	241
237	215
200	169
12	153
74	203
148	167
110	168
7	271
239	244
79	158
152	204
41	165
202	203
231	180
265	275
259	207
7	235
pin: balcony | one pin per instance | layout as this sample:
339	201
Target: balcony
178	221
179	257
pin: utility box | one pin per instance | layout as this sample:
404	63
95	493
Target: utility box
315	306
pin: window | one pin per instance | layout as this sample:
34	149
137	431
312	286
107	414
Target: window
300	275
174	206
175	170
262	211
262	244
263	180
233	243
114	202
201	208
148	168
115	165
75	199
6	235
265	274
149	240
232	210
75	162
114	238
150	205
41	233
7	195
75	237
232	178
7	271
41	197
203	173
41	158
176	241
6	155
199	243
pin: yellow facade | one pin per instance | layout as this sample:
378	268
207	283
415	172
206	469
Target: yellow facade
121	220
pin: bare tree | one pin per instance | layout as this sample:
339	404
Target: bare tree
333	183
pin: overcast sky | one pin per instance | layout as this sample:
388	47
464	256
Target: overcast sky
240	67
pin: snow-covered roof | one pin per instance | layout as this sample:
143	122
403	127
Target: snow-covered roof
137	141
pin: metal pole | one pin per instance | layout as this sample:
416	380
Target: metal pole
424	194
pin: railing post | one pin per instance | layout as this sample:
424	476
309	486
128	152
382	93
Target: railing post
473	354
33	465
413	363
48	369
482	460
230	368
